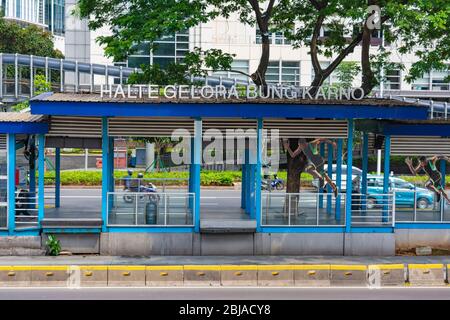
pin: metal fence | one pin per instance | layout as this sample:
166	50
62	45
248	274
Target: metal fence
26	209
151	209
373	210
302	209
423	207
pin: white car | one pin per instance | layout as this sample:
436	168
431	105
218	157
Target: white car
355	172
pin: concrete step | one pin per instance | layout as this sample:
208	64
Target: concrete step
227	226
72	223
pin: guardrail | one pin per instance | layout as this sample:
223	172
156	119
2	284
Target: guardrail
302	209
26	209
422	207
151	209
373	209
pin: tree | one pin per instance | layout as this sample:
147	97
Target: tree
134	22
30	40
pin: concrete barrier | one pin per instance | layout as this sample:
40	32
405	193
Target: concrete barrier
163	276
312	275
348	275
15	276
50	276
381	275
238	275
93	276
426	274
200	275
275	275
126	276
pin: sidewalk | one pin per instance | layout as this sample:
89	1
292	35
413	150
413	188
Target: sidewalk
218	260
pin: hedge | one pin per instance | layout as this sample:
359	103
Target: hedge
207	178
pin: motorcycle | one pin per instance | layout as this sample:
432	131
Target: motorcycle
149	190
272	184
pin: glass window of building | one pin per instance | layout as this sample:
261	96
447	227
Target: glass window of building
238	65
283	72
422	83
393	79
168	49
55	16
439	79
276	38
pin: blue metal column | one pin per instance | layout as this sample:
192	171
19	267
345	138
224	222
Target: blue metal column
259	148
105	172
348	191
330	174
11	183
387	156
338	178
365	168
191	174
33	173
322	154
57	177
443	171
196	171
248	181
41	186
243	185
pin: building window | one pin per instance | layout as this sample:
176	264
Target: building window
276	38
239	65
393	79
168	49
439	80
55	16
283	72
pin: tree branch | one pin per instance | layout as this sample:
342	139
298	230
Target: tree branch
314	47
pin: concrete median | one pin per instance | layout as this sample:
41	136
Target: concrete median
239	275
426	274
312	275
50	276
162	276
201	275
15	276
348	275
126	276
381	275
93	276
275	275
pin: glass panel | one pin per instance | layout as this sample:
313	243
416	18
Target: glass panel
163	62
164	49
136	62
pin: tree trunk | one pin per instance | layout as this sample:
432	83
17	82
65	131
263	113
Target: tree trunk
295	167
368	78
259	76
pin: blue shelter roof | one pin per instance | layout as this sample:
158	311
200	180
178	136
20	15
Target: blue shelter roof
94	105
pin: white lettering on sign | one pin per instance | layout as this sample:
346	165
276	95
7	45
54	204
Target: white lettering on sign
249	92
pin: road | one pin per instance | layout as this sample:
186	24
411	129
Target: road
288	293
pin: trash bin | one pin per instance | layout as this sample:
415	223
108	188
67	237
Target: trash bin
151	212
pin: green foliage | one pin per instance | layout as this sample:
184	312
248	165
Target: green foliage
346	73
196	63
40	86
53	245
26	40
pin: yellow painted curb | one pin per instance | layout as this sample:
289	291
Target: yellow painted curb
128	268
94	268
164	268
202	267
276	267
426	266
387	266
312	266
348	267
50	268
239	267
15	268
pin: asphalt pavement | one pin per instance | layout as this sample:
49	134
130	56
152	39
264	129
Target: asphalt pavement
221	293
